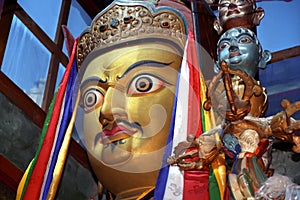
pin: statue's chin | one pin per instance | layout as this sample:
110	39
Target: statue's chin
117	153
127	155
235	60
124	184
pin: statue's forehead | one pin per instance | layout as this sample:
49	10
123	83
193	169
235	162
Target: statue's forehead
236	32
118	60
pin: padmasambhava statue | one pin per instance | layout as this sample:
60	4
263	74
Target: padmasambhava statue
129	61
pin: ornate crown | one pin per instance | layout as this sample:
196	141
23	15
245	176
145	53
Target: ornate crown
124	21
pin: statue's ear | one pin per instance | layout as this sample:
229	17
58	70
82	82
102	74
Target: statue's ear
217	67
266	57
217	26
259	14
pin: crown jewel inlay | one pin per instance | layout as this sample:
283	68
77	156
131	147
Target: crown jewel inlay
121	22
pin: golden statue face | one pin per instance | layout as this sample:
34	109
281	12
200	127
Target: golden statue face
127	95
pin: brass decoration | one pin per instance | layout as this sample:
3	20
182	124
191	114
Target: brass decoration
236	108
203	150
240	101
283	125
125	21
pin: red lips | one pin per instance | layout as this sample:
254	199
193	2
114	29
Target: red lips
118	129
233	12
236	53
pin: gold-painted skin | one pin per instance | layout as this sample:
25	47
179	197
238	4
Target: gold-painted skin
127	104
129	61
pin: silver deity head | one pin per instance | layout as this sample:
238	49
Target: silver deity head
241	49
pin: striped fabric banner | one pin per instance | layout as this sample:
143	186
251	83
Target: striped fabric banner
65	116
170	181
161	183
39	175
190	118
174	182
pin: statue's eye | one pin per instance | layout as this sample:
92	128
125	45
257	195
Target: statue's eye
144	83
223	45
92	99
244	40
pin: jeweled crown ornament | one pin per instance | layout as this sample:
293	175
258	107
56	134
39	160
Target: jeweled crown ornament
125	21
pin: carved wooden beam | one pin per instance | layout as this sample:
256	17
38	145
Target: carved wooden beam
7	14
92	7
35	113
10	175
54	62
41	35
285	54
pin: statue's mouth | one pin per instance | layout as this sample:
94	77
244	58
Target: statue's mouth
118	132
233	12
233	54
118	142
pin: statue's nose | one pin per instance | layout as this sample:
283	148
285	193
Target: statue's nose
233	46
232	6
113	106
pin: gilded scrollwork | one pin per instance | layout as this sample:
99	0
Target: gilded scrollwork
121	22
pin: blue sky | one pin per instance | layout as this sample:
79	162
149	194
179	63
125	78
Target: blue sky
280	28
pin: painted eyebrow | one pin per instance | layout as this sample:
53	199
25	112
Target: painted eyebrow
240	35
91	80
144	63
247	34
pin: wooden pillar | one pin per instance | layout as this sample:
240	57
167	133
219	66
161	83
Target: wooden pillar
8	8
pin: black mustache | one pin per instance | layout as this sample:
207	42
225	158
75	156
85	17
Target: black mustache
135	125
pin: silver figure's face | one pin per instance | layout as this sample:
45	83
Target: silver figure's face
234	9
237	13
240	49
231	143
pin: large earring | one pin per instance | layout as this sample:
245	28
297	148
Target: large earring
266	57
217	26
259	14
